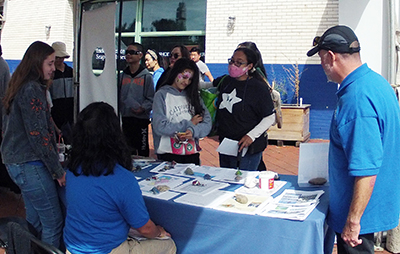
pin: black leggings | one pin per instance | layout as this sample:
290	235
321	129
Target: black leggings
136	132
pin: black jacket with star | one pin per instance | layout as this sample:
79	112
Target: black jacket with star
241	106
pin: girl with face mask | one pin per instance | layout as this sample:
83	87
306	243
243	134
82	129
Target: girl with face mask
245	110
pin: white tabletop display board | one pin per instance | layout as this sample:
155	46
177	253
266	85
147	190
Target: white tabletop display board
313	163
252	205
146	185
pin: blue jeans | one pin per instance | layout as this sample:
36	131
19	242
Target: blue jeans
249	161
40	195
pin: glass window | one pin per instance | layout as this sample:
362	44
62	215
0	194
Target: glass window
164	18
174	15
93	6
128	16
165	44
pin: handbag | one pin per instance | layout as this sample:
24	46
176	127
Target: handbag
259	144
184	148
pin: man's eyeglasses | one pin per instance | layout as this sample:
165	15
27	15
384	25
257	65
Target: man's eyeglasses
237	63
132	52
175	56
316	40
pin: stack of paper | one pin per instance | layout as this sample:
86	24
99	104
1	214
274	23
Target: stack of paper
292	204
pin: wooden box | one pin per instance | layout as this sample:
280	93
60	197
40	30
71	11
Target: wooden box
296	124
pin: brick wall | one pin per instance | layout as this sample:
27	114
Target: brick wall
282	29
26	22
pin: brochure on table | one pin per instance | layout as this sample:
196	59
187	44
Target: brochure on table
292	204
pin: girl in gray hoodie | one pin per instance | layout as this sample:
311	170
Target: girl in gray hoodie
180	117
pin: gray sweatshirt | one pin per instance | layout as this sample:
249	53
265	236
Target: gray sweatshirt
171	114
136	92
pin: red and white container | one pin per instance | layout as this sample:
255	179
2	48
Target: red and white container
266	180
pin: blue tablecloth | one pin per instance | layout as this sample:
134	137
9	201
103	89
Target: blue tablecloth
204	231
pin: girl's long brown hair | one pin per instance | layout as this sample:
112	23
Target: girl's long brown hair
29	69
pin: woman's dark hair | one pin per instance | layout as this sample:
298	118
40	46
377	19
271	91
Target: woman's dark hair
98	143
251	59
29	69
184	51
253	46
192	90
164	77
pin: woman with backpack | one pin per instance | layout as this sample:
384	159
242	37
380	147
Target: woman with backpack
276	97
244	109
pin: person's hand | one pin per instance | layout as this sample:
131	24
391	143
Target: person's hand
58	131
185	135
163	233
138	111
61	180
197	119
350	234
245	141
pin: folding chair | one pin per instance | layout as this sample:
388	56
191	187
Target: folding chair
21	241
39	247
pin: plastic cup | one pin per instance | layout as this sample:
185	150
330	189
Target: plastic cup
266	180
60	148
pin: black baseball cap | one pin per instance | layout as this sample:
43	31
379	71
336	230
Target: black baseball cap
338	39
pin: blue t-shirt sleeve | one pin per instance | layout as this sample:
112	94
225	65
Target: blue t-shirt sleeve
156	77
363	146
132	206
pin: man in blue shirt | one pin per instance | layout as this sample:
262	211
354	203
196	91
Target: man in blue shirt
364	145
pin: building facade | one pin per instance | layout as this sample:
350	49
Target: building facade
282	29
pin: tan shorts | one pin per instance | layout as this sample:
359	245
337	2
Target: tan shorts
150	246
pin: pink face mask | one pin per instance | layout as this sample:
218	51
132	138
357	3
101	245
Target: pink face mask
236	72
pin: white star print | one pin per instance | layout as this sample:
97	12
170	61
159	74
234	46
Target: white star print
228	100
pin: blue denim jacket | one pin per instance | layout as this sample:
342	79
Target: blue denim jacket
28	133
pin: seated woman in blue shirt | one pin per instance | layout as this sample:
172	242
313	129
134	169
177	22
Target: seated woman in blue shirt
103	197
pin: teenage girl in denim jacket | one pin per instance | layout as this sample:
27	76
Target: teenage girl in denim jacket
29	148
